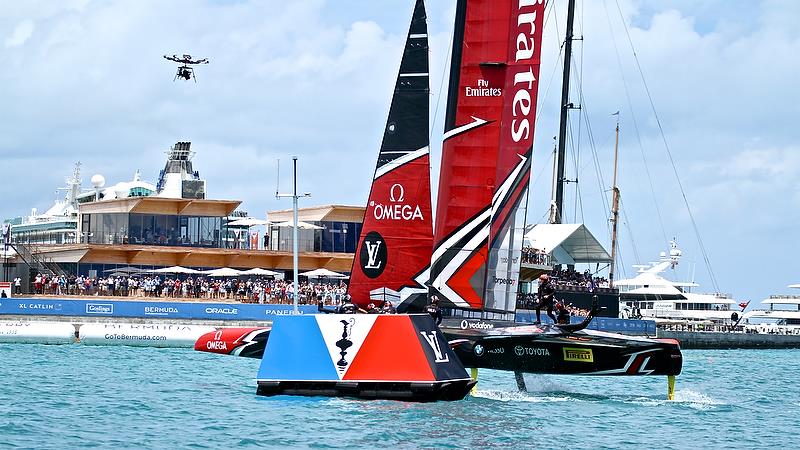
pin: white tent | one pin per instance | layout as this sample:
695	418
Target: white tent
323	273
249	222
300	224
567	243
259	271
223	272
176	269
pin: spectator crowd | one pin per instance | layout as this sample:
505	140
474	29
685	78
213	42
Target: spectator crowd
246	290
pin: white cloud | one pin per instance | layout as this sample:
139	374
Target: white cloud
314	78
22	32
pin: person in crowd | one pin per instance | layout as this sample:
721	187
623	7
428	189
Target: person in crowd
347	306
388	308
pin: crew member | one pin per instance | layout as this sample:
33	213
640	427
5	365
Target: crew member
562	314
546	293
433	310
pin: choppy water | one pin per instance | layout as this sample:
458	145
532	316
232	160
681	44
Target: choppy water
121	397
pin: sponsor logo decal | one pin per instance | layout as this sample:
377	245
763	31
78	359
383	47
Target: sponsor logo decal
497	351
99	308
159	310
231	311
430	338
396	209
524	79
216	345
374	255
478	349
482	90
344	343
509	281
476	325
531	351
280	312
578	354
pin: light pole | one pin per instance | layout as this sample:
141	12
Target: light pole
295	245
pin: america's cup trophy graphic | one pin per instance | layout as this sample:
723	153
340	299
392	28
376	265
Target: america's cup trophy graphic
344	343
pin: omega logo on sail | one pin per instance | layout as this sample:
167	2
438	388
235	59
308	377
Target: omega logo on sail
396	209
523	81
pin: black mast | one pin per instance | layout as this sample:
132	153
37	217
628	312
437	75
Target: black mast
565	107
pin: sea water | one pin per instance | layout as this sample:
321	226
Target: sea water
74	396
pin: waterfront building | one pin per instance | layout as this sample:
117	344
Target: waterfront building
144	226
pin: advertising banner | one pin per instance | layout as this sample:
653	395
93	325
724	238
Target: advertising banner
163	310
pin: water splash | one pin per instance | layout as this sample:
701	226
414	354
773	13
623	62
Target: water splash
517	396
686	397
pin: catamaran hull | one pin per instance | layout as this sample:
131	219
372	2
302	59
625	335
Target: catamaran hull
248	342
581	353
406	391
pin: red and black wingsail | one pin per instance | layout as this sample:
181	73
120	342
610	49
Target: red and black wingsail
397	236
486	154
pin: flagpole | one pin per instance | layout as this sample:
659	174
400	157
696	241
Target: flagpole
295	243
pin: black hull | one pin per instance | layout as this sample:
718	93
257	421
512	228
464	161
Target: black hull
550	351
416	392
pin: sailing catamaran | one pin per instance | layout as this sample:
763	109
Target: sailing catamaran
471	261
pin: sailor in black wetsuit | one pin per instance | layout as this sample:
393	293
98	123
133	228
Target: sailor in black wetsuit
434	311
546	293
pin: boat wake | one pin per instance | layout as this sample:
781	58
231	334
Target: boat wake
688	398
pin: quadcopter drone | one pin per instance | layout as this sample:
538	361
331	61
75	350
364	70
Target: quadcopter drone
185	71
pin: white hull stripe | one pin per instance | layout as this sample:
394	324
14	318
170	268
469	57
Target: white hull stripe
464	128
417	36
410	156
631	359
414	74
440	283
505	188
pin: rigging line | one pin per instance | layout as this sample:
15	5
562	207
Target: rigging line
584	114
445	71
669	154
579	75
629	229
635	126
543	99
596	159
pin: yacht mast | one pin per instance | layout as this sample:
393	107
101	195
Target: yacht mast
565	107
614	210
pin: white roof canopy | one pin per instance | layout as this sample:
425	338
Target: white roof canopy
300	224
323	273
248	222
567	243
223	272
259	271
176	269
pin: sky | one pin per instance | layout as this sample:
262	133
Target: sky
706	92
